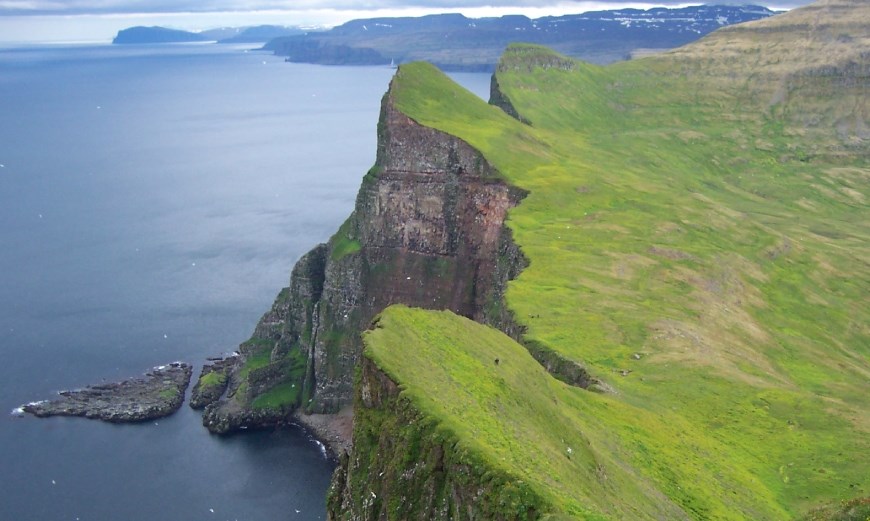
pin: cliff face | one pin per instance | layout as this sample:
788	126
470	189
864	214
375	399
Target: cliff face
402	467
427	231
657	448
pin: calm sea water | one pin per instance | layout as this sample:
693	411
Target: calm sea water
152	203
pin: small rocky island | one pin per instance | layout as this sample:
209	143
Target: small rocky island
159	393
212	382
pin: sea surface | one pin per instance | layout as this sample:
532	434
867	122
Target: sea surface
153	200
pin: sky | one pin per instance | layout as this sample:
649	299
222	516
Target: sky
100	20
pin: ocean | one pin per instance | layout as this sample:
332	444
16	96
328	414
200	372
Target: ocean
153	200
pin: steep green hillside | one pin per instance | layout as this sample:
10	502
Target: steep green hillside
500	410
697	229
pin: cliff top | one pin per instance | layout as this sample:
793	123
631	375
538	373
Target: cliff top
497	403
697	231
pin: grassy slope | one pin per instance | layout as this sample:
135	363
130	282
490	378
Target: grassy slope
512	414
678	219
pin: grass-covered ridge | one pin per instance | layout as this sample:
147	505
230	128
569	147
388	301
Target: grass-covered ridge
701	252
486	392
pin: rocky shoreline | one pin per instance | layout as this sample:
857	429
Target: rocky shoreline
332	431
335	431
159	393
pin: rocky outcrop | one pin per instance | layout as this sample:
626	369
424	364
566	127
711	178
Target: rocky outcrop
500	99
160	393
404	467
234	416
212	382
427	231
272	364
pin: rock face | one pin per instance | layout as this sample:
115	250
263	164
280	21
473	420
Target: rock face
427	231
160	393
272	360
499	99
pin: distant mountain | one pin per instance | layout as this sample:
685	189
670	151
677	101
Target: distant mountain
221	33
454	42
260	33
141	34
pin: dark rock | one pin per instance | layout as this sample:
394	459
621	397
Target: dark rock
224	419
428	230
160	393
429	225
501	100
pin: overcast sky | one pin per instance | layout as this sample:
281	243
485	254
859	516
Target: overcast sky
99	20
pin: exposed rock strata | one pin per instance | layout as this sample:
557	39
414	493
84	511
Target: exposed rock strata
429	220
160	393
427	231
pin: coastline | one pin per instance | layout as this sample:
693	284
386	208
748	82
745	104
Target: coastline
334	431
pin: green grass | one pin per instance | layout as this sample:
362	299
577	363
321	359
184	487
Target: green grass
213	379
256	360
255	345
283	394
677	220
280	396
513	415
168	394
342	244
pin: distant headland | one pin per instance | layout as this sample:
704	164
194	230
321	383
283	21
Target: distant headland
156	34
454	42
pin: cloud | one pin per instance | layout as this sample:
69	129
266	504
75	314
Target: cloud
22	7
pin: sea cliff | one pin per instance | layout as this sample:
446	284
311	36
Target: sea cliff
422	473
687	235
428	230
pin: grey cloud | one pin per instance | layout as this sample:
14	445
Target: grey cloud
171	6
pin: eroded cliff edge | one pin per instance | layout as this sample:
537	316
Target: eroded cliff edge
428	230
405	465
